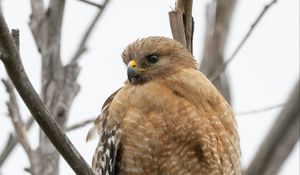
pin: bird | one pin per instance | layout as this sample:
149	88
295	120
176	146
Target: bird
167	118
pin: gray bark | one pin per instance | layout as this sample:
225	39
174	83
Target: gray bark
10	56
219	15
182	23
280	140
59	83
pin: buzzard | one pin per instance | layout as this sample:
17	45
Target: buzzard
167	119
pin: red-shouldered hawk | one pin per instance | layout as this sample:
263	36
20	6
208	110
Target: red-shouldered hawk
167	119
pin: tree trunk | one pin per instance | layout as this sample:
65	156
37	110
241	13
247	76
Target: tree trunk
59	86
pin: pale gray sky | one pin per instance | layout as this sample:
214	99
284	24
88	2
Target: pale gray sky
262	74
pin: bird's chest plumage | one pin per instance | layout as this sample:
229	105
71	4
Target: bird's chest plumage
152	141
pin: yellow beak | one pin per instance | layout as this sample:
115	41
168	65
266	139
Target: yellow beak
133	73
132	64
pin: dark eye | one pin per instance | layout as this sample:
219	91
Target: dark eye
152	59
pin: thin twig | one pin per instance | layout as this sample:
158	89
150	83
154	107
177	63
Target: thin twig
261	110
82	46
12	142
80	124
222	67
18	124
92	3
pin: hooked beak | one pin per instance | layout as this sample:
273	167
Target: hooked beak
132	72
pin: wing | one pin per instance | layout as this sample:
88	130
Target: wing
213	119
107	152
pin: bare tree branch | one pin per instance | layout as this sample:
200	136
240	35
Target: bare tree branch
222	67
177	27
12	142
186	7
15	33
182	24
80	124
20	134
92	3
82	46
280	140
37	25
19	126
10	57
260	110
218	19
15	116
59	83
37	7
36	22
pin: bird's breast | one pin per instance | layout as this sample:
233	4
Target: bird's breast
152	137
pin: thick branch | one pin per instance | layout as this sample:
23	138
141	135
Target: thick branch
182	24
82	46
222	67
15	115
12	62
281	139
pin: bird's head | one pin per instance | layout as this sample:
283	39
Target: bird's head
155	57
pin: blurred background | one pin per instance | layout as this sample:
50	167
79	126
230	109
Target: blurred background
261	75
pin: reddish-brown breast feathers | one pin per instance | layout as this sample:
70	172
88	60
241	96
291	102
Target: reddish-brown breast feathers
177	125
